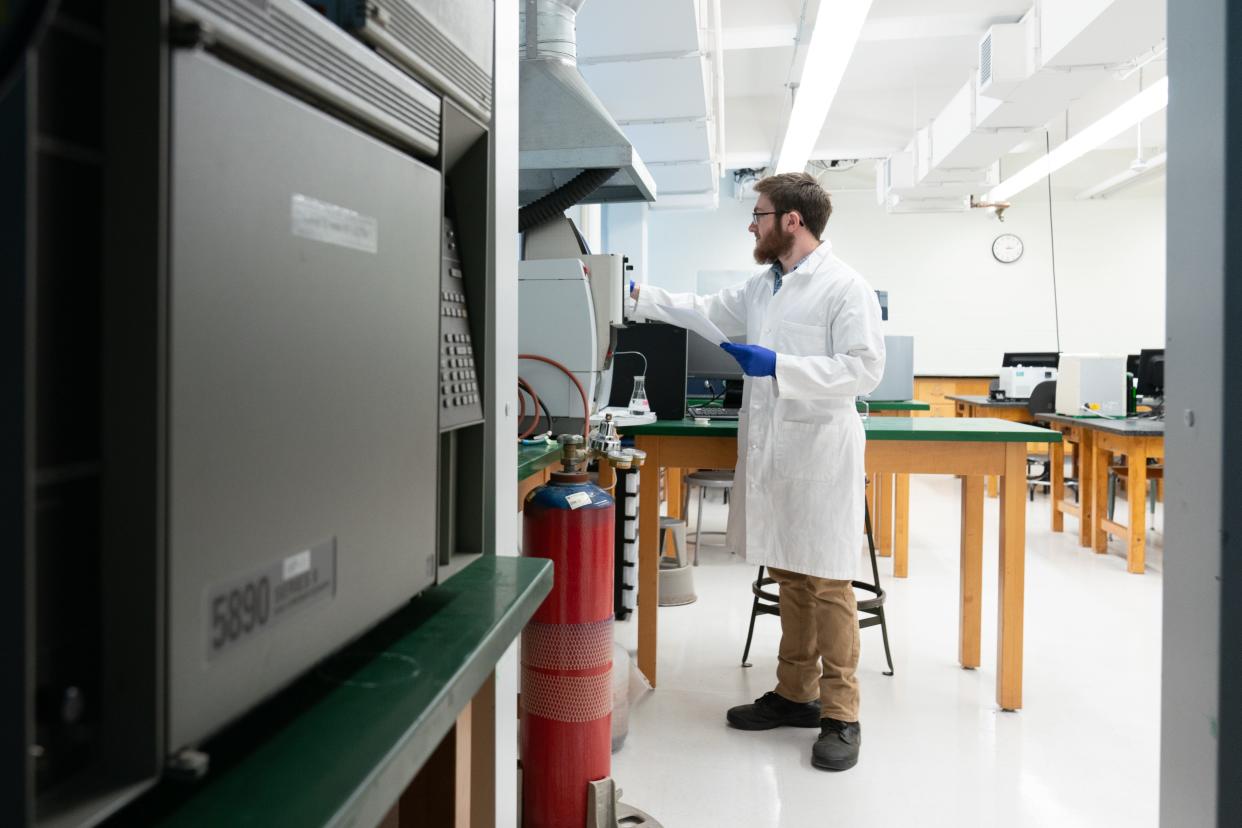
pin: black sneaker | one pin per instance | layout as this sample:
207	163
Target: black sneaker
771	710
837	746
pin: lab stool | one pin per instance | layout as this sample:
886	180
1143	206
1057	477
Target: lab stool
1155	471
705	479
767	602
676	576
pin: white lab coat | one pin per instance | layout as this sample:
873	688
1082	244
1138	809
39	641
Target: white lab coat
797	501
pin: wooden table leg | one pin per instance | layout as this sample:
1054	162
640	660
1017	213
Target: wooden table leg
1010	582
1101	459
675	479
648	555
901	526
1056	466
1084	456
884	516
970	605
1136	496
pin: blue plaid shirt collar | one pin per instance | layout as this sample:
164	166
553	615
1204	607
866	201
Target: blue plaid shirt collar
778	272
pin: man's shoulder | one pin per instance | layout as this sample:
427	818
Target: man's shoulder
843	273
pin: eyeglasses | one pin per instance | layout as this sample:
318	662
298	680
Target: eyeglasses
757	214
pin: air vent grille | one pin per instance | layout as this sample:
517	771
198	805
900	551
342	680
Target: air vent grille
985	61
329	69
428	49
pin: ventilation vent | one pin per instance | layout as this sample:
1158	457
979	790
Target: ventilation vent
985	61
411	39
289	39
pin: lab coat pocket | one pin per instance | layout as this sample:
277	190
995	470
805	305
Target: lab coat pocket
801	339
808	451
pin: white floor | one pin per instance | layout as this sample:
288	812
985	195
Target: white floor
936	750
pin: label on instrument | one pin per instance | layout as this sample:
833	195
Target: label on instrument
578	499
332	224
245	607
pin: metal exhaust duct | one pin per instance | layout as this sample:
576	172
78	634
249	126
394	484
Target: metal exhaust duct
564	130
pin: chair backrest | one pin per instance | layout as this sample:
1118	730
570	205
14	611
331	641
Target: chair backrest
1043	398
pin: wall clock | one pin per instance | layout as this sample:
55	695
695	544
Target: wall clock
1007	248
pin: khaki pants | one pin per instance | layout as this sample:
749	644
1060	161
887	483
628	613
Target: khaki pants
819	623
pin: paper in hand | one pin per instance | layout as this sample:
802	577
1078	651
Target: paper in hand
693	320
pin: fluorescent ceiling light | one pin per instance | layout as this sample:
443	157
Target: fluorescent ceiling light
1124	179
838	23
1143	105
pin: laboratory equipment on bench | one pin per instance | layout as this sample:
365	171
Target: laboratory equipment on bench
638	397
1092	383
1017	382
570	305
897	382
604	438
1033	359
1150	373
656	352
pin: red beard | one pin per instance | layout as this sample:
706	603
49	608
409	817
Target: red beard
772	245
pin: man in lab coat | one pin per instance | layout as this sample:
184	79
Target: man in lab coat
813	328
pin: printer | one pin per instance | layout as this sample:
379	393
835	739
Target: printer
1017	382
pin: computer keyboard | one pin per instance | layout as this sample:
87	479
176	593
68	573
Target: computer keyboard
713	412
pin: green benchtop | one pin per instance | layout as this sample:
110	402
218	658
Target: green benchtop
1129	426
340	745
987	402
536	458
875	405
922	429
896	405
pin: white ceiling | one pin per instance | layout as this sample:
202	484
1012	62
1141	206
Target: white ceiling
651	62
912	57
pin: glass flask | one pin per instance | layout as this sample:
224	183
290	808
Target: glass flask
638	398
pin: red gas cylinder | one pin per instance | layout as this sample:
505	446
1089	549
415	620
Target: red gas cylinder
567	652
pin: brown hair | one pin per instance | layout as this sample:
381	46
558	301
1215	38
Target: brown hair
801	192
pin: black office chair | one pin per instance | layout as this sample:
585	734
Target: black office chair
767	602
1043	400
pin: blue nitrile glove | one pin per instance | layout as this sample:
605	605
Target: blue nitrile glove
756	360
632	296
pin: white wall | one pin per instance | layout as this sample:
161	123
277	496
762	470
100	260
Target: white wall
962	306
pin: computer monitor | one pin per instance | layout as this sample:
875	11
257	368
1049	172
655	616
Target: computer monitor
1151	372
705	361
1030	359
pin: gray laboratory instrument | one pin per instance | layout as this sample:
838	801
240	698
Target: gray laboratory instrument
236	451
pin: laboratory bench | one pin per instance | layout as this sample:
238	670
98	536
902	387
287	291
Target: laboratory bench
887	494
937	390
402	720
535	464
1098	441
970	448
976	405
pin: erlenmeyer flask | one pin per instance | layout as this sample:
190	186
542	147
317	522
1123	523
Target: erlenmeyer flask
638	399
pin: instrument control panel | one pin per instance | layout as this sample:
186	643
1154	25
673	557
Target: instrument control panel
461	400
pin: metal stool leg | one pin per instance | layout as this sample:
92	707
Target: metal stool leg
875	573
888	654
1112	494
750	633
698	527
